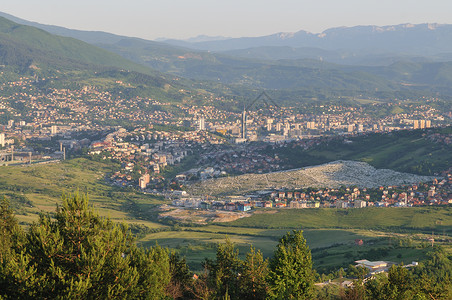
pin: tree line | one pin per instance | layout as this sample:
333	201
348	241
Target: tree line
76	254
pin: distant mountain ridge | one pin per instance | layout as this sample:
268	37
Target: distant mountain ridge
417	39
283	61
359	45
410	39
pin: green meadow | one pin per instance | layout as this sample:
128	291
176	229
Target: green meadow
331	248
417	219
33	189
330	233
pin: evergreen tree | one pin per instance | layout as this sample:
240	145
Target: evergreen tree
291	275
356	292
181	277
399	284
224	272
11	239
79	255
200	287
8	225
253	284
434	276
430	280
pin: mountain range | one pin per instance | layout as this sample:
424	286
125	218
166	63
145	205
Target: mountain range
361	45
27	50
404	58
419	39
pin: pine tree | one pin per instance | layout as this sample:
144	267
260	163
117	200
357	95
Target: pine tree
433	278
8	225
356	292
181	277
224	272
399	283
253	284
79	255
291	275
11	239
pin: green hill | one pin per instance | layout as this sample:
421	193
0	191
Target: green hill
26	50
415	151
25	46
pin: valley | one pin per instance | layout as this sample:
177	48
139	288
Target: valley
187	148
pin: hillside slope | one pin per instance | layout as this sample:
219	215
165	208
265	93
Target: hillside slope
334	174
28	45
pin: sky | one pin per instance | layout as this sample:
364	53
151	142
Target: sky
181	19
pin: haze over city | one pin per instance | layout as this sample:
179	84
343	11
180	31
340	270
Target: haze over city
184	19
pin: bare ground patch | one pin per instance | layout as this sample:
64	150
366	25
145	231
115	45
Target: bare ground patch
202	216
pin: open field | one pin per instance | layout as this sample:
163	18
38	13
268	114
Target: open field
38	188
416	219
330	233
331	248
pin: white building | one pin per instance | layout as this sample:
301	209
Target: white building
360	204
201	124
2	140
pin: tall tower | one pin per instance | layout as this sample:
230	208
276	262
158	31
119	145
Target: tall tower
201	124
244	124
2	139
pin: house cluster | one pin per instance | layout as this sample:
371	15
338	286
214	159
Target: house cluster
437	192
145	153
144	159
433	193
241	160
85	105
231	203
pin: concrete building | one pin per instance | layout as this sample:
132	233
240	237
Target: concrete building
201	124
359	204
243	125
2	139
144	181
310	125
422	124
373	266
341	204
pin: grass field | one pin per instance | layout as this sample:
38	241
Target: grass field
330	233
331	248
38	188
416	219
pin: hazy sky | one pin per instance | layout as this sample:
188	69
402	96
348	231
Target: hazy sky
152	19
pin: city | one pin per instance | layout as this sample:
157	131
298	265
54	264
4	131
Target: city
234	165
